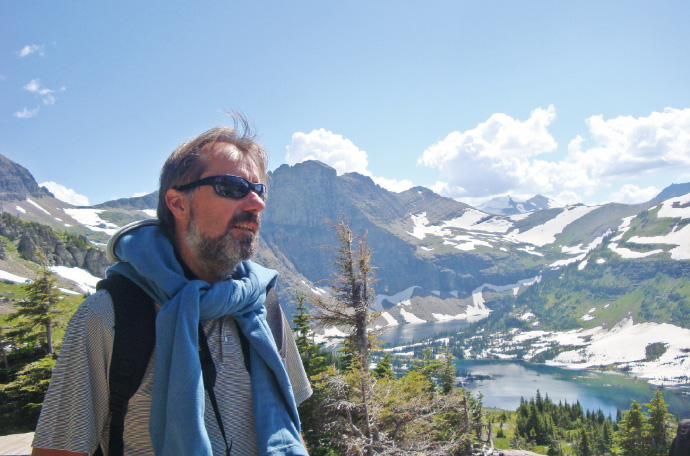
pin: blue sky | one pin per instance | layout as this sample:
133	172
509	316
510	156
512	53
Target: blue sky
584	101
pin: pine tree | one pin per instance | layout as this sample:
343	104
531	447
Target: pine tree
384	369
633	432
313	358
39	309
584	446
349	306
448	373
660	424
311	411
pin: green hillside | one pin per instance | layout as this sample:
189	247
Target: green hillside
652	289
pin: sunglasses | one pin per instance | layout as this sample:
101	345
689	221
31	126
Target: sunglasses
228	186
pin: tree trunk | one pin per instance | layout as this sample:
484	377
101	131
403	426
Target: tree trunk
49	336
467	450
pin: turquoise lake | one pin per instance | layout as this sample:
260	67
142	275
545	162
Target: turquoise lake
511	380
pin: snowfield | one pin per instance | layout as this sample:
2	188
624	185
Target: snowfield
90	219
37	206
9	277
681	238
625	345
421	227
546	234
83	279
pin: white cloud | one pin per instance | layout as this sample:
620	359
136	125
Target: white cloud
339	153
496	156
139	194
31	49
34	86
502	156
329	148
567	197
445	189
26	113
632	194
394	185
627	146
65	194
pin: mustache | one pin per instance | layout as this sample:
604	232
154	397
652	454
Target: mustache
246	217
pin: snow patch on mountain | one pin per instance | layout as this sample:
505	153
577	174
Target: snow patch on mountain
389	319
501	288
681	238
9	277
625	345
36	205
421	227
623	228
90	218
410	317
675	207
631	254
546	233
330	337
530	249
81	278
395	299
466	243
472	219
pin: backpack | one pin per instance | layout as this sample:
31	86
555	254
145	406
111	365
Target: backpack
681	443
135	337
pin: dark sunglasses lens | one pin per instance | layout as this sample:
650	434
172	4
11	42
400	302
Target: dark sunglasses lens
232	188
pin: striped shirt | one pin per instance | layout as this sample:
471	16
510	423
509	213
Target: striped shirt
75	413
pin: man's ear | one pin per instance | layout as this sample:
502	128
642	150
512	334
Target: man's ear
179	203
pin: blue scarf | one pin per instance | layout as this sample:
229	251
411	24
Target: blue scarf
147	258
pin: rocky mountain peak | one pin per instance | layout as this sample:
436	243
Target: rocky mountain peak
16	182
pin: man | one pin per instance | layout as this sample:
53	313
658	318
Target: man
193	264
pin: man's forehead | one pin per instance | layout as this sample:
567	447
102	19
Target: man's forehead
226	158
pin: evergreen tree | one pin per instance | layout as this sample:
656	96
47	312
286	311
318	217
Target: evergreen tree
448	373
660	427
313	357
584	446
39	309
427	367
633	432
383	368
349	306
312	418
22	398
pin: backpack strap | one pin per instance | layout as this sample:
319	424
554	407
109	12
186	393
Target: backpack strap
135	337
274	317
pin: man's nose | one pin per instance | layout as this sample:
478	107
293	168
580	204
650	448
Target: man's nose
253	203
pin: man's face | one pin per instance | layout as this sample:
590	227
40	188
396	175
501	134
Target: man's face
224	231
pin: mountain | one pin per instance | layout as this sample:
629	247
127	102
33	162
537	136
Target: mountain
16	182
580	270
506	205
672	191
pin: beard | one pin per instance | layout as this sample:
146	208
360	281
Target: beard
223	253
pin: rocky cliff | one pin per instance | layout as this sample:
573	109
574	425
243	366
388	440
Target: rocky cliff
16	182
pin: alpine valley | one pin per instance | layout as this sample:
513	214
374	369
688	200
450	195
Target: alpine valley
577	286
